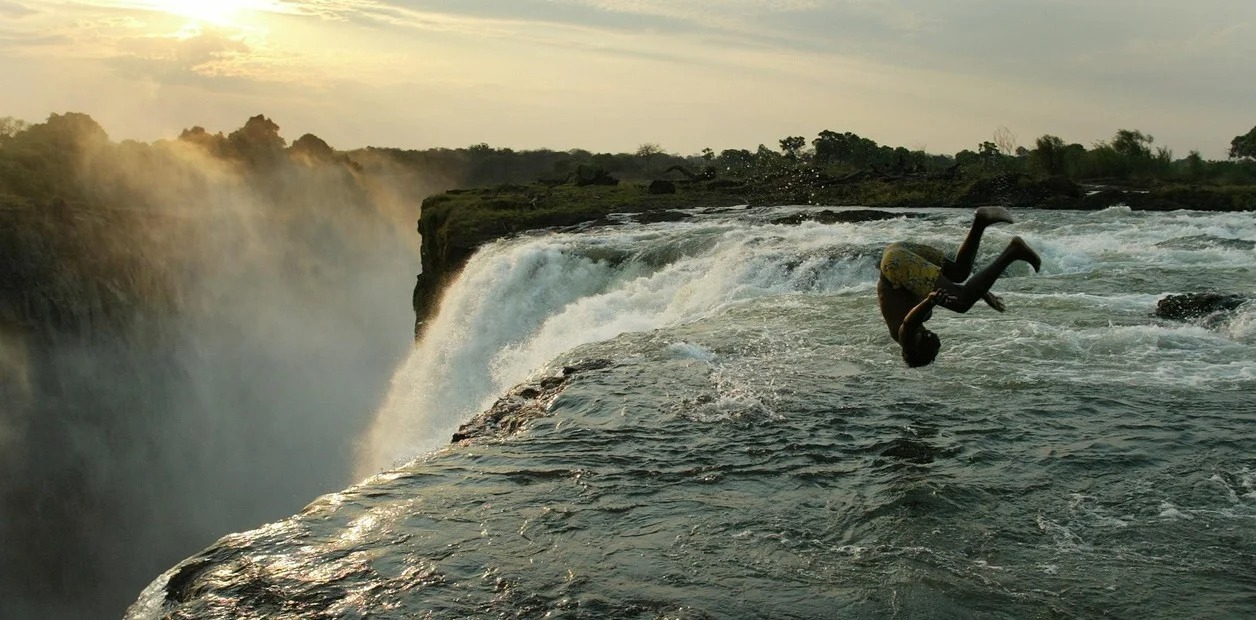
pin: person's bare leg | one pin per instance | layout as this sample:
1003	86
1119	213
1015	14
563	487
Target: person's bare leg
961	297
959	269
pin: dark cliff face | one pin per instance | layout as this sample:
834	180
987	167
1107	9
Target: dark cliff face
443	252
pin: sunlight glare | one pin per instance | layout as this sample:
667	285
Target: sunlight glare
220	12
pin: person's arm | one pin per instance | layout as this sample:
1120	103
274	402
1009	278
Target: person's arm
917	316
994	301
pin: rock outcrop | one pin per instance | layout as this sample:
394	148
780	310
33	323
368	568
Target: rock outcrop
1198	306
522	404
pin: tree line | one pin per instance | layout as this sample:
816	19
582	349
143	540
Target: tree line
43	161
1129	156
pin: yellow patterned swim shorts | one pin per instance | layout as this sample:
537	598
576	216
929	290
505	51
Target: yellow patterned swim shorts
912	266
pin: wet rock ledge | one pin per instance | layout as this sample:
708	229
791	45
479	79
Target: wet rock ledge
524	403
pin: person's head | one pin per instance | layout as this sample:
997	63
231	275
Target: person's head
921	348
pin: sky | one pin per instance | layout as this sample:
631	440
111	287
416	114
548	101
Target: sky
610	75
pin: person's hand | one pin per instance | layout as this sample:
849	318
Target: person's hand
943	298
994	301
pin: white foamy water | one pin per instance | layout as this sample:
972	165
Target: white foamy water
522	302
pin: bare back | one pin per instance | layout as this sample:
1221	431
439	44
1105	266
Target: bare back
895	303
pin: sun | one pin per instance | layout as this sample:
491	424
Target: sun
221	12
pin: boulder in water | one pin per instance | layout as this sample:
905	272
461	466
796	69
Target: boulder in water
1190	306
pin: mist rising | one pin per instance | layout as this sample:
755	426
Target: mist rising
192	335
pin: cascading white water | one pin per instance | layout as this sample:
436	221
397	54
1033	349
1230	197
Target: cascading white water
520	303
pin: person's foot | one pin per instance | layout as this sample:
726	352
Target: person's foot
1026	253
994	301
992	215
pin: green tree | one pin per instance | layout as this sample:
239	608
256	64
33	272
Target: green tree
258	142
1244	146
1132	144
1129	154
313	148
846	148
792	145
989	154
647	152
10	127
1104	161
214	144
1195	166
765	156
71	132
1073	156
1162	162
44	160
736	159
1048	155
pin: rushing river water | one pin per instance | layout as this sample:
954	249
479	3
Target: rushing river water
750	445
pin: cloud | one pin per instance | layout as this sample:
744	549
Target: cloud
17	40
193	46
15	10
150	45
19	30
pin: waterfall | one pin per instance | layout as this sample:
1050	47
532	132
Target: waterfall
520	303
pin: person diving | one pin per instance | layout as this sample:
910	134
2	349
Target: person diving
916	277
